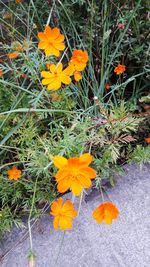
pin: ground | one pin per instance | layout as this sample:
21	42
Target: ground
125	243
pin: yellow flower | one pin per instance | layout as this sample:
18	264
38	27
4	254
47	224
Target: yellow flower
14	173
74	173
106	212
63	214
55	77
51	41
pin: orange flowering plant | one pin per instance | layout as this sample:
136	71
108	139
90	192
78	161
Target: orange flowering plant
14	173
55	77
120	69
74	173
63	214
106	212
52	42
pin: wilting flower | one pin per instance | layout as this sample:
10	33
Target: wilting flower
79	60
55	97
14	173
13	55
147	140
107	86
74	173
55	77
51	41
1	73
106	212
120	69
77	76
63	214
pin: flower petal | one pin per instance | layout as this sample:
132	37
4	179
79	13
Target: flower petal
65	223
76	188
42	36
42	45
63	185
47	74
84	180
86	159
55	85
59	46
65	79
56	222
68	209
60	38
89	172
60	161
55	33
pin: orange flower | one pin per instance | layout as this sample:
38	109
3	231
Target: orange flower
14	173
51	41
106	212
77	76
13	55
74	173
79	60
63	214
120	69
1	73
55	77
19	1
147	140
107	86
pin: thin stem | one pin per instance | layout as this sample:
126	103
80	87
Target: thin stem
61	244
30	214
80	202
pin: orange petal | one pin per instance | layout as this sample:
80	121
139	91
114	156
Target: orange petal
60	38
42	36
86	159
68	209
55	33
76	188
42	45
97	215
60	161
65	223
64	185
91	173
61	174
84	181
59	46
56	222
